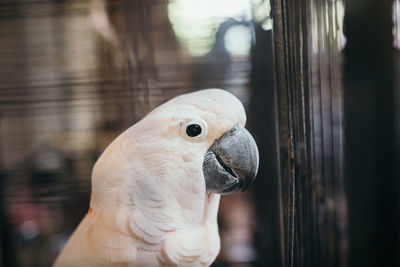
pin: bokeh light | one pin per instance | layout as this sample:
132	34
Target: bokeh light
195	23
396	24
261	13
238	40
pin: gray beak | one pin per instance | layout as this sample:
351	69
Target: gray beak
231	163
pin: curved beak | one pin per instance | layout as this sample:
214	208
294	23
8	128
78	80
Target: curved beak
231	163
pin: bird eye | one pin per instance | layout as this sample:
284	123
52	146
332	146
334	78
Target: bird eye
193	130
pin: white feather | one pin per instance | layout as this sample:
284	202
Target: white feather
149	205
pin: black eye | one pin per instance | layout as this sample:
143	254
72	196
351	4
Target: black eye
193	130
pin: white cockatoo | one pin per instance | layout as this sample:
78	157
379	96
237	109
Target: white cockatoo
157	186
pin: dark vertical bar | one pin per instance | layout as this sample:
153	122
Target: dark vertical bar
280	64
370	159
262	120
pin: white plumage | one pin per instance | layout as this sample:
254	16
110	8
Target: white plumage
149	205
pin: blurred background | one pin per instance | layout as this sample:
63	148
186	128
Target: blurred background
318	79
75	74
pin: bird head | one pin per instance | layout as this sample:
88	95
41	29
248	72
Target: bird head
195	142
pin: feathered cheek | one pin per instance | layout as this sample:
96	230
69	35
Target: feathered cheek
191	164
168	131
